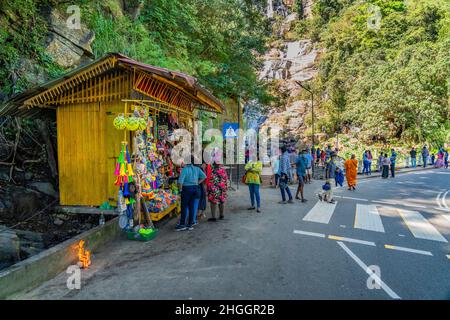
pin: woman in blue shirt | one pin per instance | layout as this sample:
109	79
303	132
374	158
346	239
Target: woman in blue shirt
190	179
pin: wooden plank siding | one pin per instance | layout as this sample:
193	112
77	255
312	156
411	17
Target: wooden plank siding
88	146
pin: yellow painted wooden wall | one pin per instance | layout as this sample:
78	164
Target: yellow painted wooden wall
88	146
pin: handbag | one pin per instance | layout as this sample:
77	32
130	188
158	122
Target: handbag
244	178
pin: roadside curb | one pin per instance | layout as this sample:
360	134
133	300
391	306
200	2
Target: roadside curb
32	272
362	177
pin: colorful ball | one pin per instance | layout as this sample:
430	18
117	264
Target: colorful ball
142	124
120	122
132	123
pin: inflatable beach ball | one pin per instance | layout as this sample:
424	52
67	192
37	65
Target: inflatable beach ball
132	123
142	124
120	122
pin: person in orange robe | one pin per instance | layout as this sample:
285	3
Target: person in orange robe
351	169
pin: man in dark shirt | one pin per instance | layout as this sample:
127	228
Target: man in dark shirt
425	155
413	154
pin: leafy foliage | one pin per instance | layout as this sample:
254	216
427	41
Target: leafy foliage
214	40
390	82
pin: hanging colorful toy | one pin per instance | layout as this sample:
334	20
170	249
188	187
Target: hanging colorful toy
124	170
132	123
120	122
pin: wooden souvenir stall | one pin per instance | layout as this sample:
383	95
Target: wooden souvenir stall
87	101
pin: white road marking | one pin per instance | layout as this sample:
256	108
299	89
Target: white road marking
419	226
363	266
337	238
321	212
444	202
368	218
307	233
393	203
412	205
427	253
438	199
384	202
358	199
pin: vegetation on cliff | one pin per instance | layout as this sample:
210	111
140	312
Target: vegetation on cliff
214	40
389	78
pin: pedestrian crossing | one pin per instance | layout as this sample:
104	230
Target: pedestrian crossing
419	226
368	217
321	212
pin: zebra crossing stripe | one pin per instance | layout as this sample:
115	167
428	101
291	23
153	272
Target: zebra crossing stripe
321	212
419	226
368	218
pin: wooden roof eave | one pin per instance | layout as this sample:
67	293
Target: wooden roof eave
196	95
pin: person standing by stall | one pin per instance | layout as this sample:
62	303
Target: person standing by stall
200	203
189	180
217	190
252	178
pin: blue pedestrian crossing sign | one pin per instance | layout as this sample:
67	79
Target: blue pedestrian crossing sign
230	130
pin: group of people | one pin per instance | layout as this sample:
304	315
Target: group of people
439	161
208	183
200	184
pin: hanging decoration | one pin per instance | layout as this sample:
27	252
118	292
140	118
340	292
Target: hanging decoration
120	123
147	177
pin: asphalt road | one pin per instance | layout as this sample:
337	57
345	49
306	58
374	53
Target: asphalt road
279	255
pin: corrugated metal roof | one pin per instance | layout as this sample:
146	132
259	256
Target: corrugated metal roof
11	107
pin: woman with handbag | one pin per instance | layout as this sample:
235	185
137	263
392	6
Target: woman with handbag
217	190
252	178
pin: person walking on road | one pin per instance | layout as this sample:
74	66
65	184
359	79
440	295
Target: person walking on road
275	164
285	165
379	163
393	160
440	159
301	163
385	162
253	170
365	163
413	155
339	177
309	165
446	159
330	170
190	179
369	163
425	155
217	190
351	170
292	159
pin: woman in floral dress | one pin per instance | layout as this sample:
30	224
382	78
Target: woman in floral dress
217	190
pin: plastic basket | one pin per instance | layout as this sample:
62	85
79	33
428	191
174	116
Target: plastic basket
131	235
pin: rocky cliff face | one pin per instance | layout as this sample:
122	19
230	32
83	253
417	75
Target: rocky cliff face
285	63
68	47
